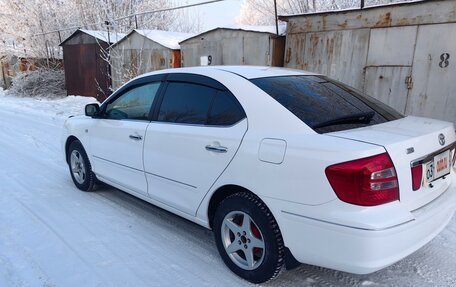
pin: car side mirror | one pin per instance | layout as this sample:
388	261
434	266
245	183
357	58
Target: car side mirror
92	110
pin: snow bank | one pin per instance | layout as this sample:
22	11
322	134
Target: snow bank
56	108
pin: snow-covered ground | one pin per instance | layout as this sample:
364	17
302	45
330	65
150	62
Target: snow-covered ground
51	234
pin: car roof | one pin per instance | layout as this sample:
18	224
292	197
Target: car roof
253	72
248	72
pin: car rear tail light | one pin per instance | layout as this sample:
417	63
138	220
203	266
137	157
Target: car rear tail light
367	182
417	176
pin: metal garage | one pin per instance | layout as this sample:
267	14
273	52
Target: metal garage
144	51
237	45
87	71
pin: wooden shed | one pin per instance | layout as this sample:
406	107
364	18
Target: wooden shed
87	71
402	54
143	51
235	45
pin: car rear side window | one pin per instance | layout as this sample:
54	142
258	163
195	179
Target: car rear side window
186	103
225	110
325	105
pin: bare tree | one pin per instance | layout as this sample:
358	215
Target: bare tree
261	12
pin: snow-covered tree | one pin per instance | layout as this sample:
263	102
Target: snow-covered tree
261	12
23	22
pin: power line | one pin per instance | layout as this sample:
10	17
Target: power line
168	9
129	16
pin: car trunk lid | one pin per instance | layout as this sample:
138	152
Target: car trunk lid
412	141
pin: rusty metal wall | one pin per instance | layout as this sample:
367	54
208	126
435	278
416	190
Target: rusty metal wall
434	69
176	61
338	54
80	67
405	14
137	55
387	83
86	70
400	54
232	47
278	50
386	72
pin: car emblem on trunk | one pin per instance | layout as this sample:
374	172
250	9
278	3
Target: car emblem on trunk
442	139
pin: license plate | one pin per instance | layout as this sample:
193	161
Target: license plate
438	167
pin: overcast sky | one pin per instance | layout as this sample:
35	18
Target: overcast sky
217	14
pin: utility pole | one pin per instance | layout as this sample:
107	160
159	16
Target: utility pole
107	26
362	4
276	19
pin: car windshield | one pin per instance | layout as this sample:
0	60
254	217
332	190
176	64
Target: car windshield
324	104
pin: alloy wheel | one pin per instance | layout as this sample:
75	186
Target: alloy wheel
242	240
77	166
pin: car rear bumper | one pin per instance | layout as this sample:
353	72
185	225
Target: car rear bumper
364	250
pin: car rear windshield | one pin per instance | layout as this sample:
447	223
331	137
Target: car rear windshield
324	104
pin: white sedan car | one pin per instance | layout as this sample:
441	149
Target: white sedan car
285	166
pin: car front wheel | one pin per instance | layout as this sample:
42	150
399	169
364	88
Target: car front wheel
80	168
248	238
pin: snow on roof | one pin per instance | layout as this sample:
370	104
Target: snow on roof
251	28
103	35
264	29
165	38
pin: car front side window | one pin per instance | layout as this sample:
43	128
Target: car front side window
134	104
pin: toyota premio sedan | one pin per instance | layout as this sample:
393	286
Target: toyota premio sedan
285	166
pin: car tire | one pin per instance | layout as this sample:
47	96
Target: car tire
252	249
80	167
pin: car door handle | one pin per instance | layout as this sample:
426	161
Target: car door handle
136	137
217	149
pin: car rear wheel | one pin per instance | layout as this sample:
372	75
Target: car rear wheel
248	238
80	168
